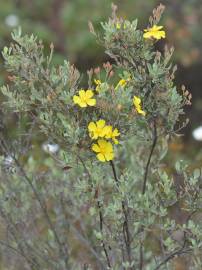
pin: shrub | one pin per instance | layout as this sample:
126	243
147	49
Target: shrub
102	199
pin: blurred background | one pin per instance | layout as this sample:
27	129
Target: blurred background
65	23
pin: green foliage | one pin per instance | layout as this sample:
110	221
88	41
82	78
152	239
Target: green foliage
120	212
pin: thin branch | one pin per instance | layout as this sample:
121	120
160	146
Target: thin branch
101	220
172	255
63	252
82	238
141	256
16	251
149	158
11	228
87	244
126	231
44	209
114	172
101	230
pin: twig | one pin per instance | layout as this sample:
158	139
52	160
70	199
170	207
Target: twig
16	251
44	209
101	230
170	256
149	159
63	252
82	238
11	228
126	231
100	212
114	172
141	257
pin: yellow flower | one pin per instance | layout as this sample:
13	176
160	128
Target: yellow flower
112	134
104	150
138	106
98	83
118	26
122	83
97	129
154	32
84	98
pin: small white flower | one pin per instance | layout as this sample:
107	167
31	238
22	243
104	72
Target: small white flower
8	161
51	148
197	133
12	20
8	164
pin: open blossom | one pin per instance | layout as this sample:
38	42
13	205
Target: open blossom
112	134
84	98
154	32
97	129
122	83
104	150
137	103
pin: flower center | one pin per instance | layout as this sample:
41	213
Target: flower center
102	150
84	99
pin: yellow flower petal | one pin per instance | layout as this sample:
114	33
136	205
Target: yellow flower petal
104	150
92	126
82	104
76	99
91	102
118	26
101	157
156	28
121	83
116	132
137	104
102	143
137	101
89	94
115	141
109	156
96	148
85	98
141	112
147	35
108	132
109	147
82	94
100	123
97	82
154	32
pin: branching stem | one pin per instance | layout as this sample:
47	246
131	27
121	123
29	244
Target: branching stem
149	158
101	230
126	231
63	252
141	257
171	256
